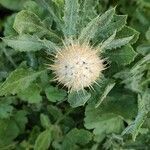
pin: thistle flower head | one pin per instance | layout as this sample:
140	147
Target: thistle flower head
77	66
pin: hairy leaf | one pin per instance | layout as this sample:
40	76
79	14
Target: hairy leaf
78	98
71	17
99	22
23	42
18	80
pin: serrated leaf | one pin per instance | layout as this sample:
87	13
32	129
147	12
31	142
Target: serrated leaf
28	22
132	82
43	140
92	27
23	42
18	80
122	56
117	23
108	41
53	12
117	43
31	94
88	12
76	136
54	94
79	98
105	93
49	45
71	17
128	32
143	109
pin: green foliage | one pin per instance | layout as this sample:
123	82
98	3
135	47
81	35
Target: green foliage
6	108
89	31
18	80
38	113
24	42
70	17
143	109
125	55
31	94
74	137
15	5
78	98
54	94
43	140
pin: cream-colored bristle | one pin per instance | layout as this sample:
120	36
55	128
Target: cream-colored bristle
77	66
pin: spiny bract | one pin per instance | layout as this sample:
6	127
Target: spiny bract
77	66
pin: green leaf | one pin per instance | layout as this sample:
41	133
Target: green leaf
143	109
28	22
43	140
87	12
128	32
31	94
34	7
45	121
131	81
71	17
116	24
54	112
133	78
108	117
79	98
92	27
49	45
24	42
122	56
8	131
54	11
105	93
18	80
105	44
76	136
144	49
102	124
54	94
117	43
8	26
21	119
11	128
12	5
5	108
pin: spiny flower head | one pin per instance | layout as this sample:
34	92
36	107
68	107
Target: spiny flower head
77	66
